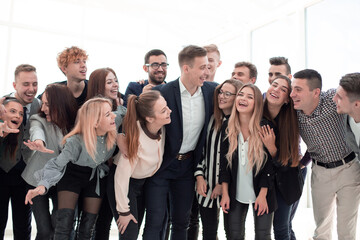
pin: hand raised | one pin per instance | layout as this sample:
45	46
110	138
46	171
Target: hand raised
5	128
38	145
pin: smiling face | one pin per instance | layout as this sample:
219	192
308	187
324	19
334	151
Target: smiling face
161	113
214	63
26	85
14	114
276	70
343	103
111	86
304	99
76	70
156	76
245	101
199	71
226	103
242	74
278	92
45	107
107	120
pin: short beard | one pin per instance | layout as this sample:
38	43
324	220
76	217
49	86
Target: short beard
155	81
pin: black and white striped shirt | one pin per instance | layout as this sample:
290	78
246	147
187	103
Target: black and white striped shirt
209	166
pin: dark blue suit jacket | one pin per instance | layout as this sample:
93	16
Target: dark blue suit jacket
134	88
174	130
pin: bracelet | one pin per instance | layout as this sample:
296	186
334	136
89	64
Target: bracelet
124	214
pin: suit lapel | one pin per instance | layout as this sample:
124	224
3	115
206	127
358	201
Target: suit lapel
205	93
178	100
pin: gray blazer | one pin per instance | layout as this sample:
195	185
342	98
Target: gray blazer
350	138
51	135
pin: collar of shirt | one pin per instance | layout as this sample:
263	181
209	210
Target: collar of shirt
28	106
184	91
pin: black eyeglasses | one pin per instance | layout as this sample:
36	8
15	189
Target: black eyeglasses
225	94
156	65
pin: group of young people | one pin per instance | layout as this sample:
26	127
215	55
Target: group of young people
97	160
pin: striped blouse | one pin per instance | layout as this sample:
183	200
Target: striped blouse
209	166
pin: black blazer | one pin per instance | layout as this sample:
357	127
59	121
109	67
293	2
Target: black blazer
265	178
174	131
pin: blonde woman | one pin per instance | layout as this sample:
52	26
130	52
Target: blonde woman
246	173
79	168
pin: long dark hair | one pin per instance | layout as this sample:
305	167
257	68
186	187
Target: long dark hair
62	107
12	139
288	140
96	84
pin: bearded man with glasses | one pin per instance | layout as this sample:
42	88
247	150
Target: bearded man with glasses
156	66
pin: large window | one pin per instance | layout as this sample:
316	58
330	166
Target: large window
333	39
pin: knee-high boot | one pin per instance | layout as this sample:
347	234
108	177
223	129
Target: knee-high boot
64	223
87	225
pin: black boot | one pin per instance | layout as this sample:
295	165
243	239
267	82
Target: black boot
64	223
87	226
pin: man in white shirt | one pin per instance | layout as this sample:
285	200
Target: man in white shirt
347	99
12	187
190	99
213	55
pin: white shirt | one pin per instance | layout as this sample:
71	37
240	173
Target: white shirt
193	115
355	128
245	187
28	106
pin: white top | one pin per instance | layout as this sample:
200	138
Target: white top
355	128
193	115
245	188
148	161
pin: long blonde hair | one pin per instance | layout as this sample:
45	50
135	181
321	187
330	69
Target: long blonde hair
88	116
256	154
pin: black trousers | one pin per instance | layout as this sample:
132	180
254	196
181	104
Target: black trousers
210	222
13	188
236	221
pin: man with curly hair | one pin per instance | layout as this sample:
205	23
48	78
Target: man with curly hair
72	62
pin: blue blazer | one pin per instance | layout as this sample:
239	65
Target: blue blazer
174	131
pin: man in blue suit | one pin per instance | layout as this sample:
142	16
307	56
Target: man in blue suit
191	100
156	67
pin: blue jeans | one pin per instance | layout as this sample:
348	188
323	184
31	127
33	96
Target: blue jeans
282	219
294	207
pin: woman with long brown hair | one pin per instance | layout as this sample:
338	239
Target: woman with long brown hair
279	110
145	137
208	189
12	186
47	128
